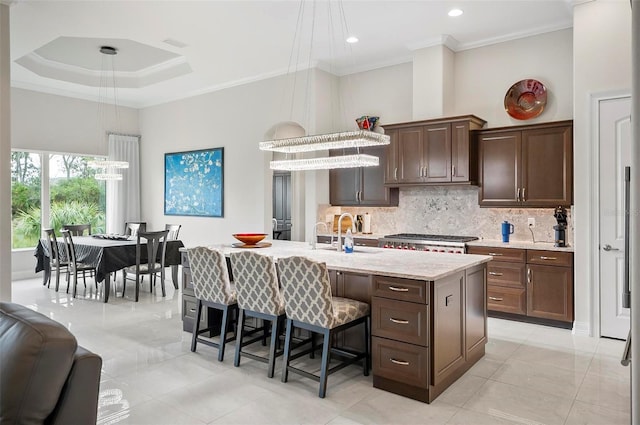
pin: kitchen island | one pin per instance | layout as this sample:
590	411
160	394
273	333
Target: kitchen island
428	310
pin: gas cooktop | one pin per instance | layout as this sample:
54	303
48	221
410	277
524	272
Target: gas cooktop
431	238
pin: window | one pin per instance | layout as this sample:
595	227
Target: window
70	193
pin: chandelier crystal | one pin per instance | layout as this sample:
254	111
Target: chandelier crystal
344	161
342	140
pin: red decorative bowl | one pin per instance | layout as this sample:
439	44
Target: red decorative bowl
250	238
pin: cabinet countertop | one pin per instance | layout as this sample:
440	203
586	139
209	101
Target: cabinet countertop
418	265
374	236
545	246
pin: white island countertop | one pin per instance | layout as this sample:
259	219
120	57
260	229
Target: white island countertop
377	261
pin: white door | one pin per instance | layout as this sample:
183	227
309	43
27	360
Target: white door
615	154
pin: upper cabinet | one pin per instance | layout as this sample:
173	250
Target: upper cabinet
527	166
432	152
363	185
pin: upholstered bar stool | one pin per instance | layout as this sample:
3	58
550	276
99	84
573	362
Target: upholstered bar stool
256	283
309	305
212	288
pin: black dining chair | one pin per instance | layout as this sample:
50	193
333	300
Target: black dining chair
56	262
174	231
131	228
150	253
78	229
74	266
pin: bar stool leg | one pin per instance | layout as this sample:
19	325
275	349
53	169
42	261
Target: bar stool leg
287	351
196	327
239	335
326	358
223	332
275	330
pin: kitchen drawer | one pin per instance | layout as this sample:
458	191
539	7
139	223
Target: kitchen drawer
512	255
400	289
508	300
400	320
399	361
187	284
550	258
502	273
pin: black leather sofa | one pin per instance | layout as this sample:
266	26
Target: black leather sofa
45	377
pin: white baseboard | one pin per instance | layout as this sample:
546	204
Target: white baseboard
581	329
24	274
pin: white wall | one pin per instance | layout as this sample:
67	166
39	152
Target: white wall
47	122
483	76
53	123
236	119
602	63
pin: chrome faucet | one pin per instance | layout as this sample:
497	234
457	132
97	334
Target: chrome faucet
353	227
315	233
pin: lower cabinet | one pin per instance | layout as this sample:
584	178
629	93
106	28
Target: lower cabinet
427	334
536	284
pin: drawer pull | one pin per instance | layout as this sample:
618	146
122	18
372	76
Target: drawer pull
399	321
396	289
495	274
542	257
495	299
193	310
495	254
399	362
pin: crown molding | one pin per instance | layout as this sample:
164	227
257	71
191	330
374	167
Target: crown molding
515	36
9	3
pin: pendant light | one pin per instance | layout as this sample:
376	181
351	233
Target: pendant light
338	140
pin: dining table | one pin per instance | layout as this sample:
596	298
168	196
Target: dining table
106	255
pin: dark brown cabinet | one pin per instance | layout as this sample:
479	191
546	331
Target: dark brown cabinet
532	283
527	166
364	185
429	152
425	335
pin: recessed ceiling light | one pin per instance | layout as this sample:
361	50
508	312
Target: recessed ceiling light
352	39
455	12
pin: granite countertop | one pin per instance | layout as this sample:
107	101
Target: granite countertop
385	262
547	246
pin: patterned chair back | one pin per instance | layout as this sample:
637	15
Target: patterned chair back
256	283
306	291
210	275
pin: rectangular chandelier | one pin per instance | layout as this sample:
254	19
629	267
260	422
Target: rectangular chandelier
349	139
345	161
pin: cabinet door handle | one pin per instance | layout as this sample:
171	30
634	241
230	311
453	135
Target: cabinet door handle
425	172
529	275
542	257
523	197
518	195
399	321
193	310
495	254
495	299
446	300
396	289
495	274
399	362
395	174
453	170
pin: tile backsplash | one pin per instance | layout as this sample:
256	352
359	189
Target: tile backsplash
454	210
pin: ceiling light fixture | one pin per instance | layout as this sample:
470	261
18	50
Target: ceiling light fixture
337	140
455	12
344	161
107	169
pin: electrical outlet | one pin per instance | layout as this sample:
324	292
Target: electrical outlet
531	222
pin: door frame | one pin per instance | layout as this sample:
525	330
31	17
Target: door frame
594	210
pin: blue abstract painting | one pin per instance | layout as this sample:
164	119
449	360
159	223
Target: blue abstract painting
193	183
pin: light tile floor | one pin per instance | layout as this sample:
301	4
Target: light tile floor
530	375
